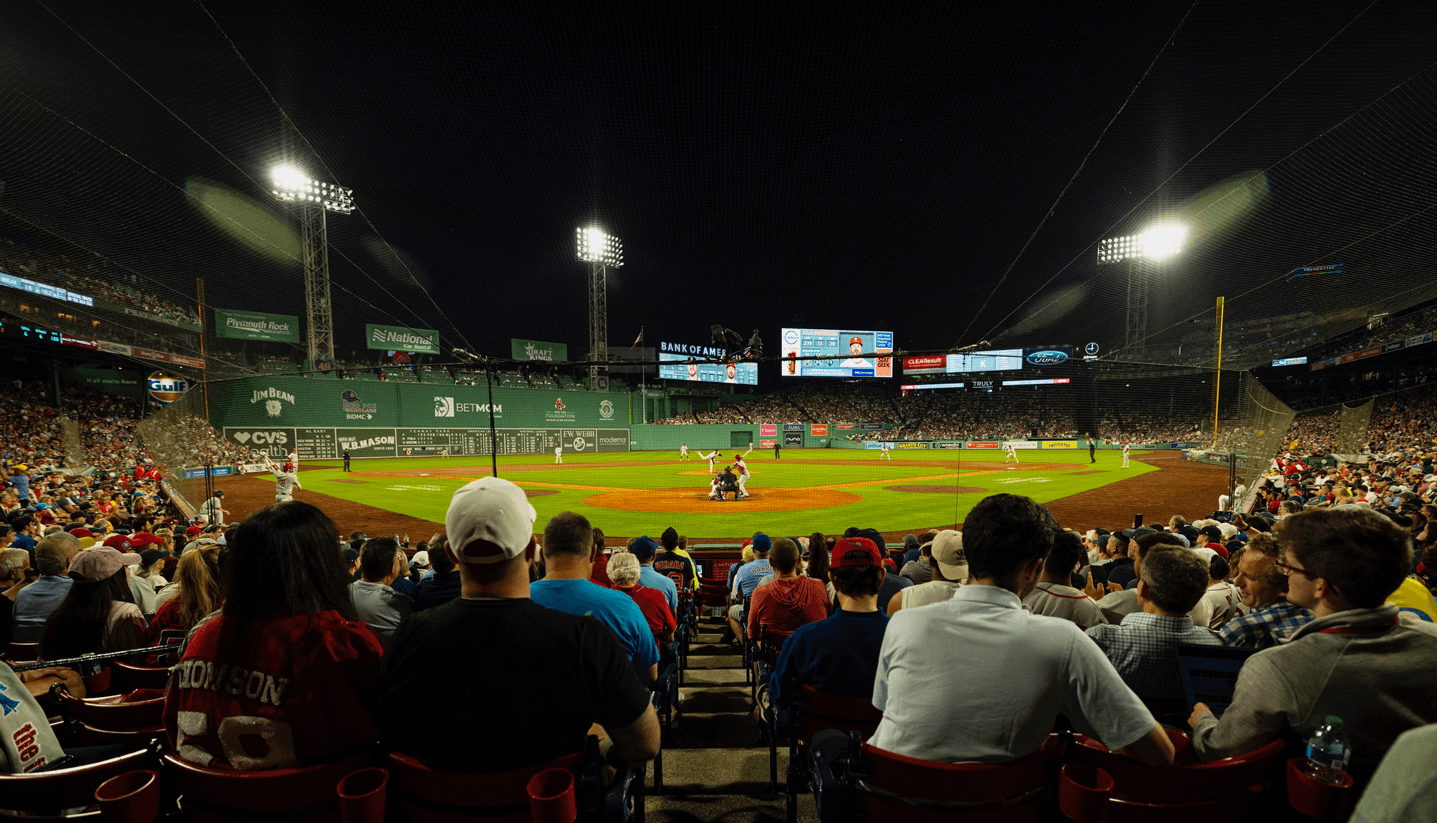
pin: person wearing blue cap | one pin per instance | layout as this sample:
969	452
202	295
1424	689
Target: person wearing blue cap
644	548
747	580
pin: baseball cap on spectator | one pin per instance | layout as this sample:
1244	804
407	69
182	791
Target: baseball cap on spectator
1143	531
948	554
1228	530
1213	533
872	534
86	542
761	543
79	533
644	548
193	531
95	565
420	559
493	510
910	541
350	555
140	539
851	552
119	542
150	557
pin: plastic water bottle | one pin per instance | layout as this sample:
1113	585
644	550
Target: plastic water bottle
1328	752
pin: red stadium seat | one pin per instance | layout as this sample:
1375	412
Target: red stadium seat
815	712
22	652
110	714
300	795
42	795
890	787
142	677
1189	790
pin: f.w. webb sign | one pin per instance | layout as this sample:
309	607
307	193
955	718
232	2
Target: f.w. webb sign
401	338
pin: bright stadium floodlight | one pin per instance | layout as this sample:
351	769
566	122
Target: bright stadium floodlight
292	186
312	198
1157	244
601	251
595	246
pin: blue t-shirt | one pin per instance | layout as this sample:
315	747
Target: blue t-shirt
750	574
26	542
836	656
649	576
614	609
34	604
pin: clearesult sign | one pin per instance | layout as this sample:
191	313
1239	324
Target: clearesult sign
537	350
253	325
401	338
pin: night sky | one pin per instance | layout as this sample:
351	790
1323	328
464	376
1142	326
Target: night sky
766	165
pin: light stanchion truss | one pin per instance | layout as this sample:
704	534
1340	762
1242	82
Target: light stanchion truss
1155	245
312	199
601	251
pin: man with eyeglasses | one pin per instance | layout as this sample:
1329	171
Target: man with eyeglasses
1355	660
1270	617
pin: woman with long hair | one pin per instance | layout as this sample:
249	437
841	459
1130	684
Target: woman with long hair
98	613
818	558
285	659
197	594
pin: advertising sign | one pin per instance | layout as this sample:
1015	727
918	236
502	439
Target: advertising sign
818	429
792	439
166	388
1290	361
875	445
983	444
866	352
843	426
1051	356
254	325
1021	444
916	445
1059	444
949	444
537	350
871	427
767	443
401	338
272	442
793	427
768	430
926	364
192	362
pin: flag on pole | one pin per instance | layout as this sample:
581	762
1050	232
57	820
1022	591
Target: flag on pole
638	341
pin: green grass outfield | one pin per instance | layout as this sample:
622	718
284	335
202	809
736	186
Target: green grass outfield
420	494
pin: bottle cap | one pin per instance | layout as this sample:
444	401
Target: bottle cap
1334	720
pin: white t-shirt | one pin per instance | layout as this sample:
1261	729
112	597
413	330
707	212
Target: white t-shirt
1019	671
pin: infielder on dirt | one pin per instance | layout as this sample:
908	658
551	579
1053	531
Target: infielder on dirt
1011	453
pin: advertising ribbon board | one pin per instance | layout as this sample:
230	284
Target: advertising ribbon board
537	350
1059	444
401	338
982	444
1021	444
253	325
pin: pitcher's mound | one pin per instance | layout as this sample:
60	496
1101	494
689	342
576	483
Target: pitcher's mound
695	501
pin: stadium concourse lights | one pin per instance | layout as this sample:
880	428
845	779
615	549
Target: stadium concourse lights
596	246
292	186
1157	243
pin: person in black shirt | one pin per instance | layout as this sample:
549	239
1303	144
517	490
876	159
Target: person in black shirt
521	684
728	482
673	565
346	459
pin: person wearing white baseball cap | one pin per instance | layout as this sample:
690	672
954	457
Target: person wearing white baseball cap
499	654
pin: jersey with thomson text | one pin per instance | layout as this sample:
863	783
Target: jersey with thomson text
305	691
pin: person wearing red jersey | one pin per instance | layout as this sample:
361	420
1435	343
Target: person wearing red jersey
624	571
284	674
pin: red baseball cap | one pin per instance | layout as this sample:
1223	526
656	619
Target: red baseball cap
858	340
140	539
119	542
852	552
82	533
193	530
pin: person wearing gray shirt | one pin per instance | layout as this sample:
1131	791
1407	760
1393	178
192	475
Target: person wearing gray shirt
381	562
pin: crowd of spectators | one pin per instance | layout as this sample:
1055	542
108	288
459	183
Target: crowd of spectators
92	278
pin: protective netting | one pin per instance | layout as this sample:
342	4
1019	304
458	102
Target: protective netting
1254	427
177	438
1352	429
75	454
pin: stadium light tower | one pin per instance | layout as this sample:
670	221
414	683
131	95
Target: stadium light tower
1157	244
312	200
601	251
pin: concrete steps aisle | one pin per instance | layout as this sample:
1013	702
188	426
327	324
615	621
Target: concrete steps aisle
714	766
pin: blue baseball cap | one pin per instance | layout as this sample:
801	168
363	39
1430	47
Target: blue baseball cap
761	543
644	548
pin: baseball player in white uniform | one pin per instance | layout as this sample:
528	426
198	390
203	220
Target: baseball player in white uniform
714	485
711	456
684	452
285	482
1010	453
883	453
558	455
742	475
1126	446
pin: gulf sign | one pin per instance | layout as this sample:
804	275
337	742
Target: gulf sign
926	364
166	388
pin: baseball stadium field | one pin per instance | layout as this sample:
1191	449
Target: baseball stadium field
632	493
